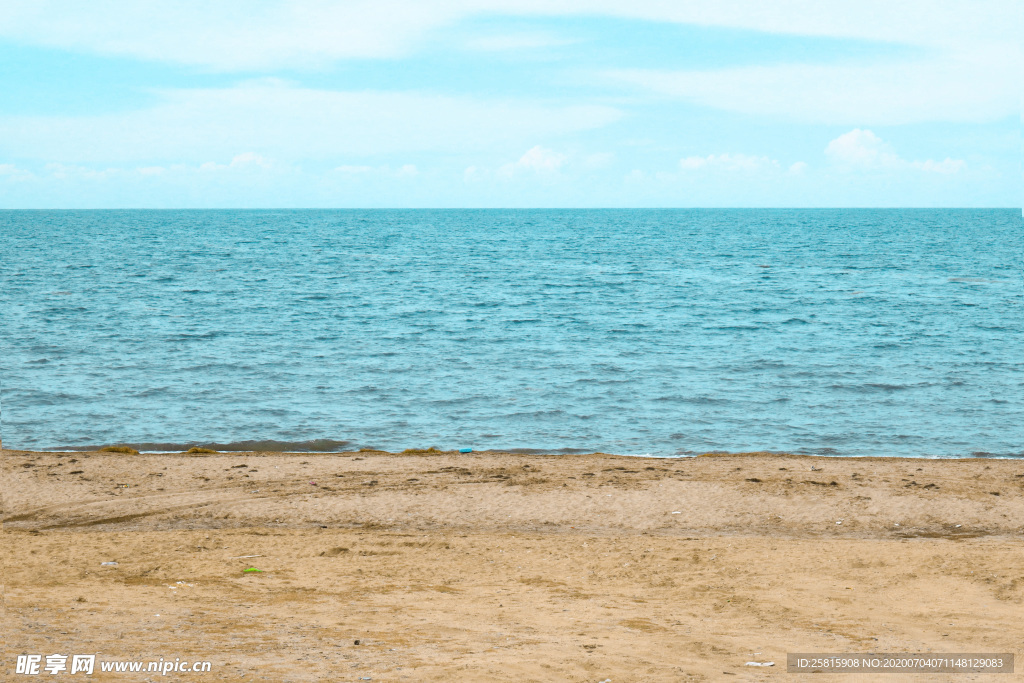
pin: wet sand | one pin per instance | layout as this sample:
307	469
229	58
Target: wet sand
498	567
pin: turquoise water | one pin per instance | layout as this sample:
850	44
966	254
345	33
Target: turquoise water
859	332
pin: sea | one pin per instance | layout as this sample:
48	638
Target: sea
644	332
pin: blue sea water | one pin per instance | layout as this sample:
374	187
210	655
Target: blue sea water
846	332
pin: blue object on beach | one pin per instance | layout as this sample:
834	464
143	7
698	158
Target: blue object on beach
465	450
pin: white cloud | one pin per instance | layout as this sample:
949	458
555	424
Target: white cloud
239	161
969	86
384	171
968	71
798	167
728	162
65	172
249	159
12	172
277	120
862	149
540	162
541	159
945	166
537	159
240	167
241	35
351	170
516	41
228	35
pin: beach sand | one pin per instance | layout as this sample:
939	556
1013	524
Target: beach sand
500	567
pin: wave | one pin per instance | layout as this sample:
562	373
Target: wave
260	445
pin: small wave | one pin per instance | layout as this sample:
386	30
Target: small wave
735	328
263	445
214	366
889	387
62	310
33	397
873	387
696	400
153	391
365	389
184	336
539	413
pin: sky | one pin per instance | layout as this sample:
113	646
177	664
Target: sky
501	103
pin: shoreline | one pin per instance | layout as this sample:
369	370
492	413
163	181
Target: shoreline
183	450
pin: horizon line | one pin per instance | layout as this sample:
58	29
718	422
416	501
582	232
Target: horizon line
520	208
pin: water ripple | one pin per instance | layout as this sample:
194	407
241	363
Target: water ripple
871	332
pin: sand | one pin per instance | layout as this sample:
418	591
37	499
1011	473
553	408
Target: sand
499	567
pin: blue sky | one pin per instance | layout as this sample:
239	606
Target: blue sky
473	103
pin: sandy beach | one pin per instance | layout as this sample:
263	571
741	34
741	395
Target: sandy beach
505	567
